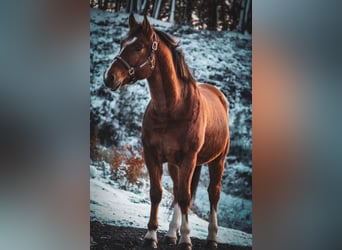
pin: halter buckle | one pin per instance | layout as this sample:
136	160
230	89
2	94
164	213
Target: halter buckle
131	71
154	45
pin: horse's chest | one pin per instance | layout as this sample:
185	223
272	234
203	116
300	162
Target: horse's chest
168	142
166	139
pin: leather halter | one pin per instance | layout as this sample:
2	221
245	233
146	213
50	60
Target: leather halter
149	60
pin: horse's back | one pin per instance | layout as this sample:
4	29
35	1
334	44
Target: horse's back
216	103
211	93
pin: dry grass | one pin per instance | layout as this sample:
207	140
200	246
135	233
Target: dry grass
121	159
133	161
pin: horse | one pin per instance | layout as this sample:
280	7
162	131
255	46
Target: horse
185	124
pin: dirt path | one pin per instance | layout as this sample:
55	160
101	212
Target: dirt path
105	237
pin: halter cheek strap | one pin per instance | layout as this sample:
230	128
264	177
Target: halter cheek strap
150	60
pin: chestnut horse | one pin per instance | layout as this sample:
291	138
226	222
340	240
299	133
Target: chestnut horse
185	124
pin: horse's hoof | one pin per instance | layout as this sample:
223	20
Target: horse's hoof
150	244
211	244
185	246
170	240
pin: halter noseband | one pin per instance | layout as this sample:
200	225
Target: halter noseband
149	60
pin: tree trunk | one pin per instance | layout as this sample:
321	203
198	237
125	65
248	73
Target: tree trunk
172	12
201	14
240	26
141	5
138	5
127	6
212	15
105	4
156	14
189	8
154	7
225	13
117	5
131	6
247	12
146	7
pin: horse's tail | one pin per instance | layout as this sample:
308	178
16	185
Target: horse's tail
194	181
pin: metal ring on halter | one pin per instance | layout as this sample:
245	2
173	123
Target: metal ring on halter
131	71
154	45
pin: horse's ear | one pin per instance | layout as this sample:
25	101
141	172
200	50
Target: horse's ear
132	22
147	27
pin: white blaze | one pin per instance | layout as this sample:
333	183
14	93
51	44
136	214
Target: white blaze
129	42
132	40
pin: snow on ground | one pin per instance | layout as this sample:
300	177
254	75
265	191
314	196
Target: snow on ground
233	211
123	208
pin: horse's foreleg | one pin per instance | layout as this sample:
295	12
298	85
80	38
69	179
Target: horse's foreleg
215	171
186	171
171	235
155	173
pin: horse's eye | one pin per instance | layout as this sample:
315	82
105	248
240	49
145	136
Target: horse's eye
138	47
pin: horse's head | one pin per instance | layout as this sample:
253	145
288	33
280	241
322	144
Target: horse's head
136	59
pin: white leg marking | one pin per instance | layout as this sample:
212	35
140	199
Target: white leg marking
185	231
175	222
152	234
213	226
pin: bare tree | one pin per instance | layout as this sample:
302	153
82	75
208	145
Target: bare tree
212	14
118	4
190	5
205	14
156	8
172	11
245	16
240	26
247	11
131	6
141	6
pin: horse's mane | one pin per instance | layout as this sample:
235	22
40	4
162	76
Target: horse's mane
182	69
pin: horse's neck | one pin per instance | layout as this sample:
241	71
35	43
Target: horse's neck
168	92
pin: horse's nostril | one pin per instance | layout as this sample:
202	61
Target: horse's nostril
110	77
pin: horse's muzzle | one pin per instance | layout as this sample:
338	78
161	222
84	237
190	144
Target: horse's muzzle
109	82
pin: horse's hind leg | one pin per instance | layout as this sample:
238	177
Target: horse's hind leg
171	235
215	171
155	172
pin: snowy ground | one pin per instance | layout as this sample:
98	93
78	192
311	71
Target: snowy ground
221	58
110	205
